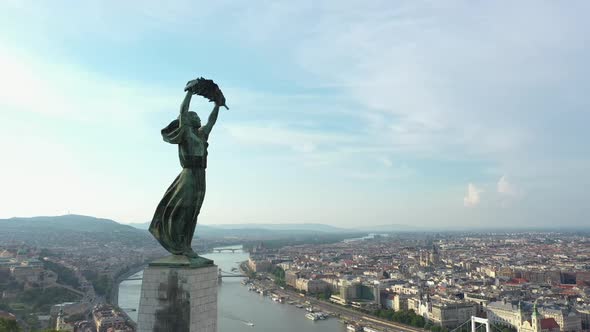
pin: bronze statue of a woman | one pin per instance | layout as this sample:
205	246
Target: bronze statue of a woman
176	216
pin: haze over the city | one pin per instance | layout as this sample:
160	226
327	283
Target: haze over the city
346	113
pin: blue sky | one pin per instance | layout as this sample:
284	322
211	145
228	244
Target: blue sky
432	113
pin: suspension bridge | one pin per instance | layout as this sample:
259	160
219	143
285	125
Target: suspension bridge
477	325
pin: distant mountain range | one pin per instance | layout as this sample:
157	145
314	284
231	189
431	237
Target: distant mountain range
62	230
296	228
251	231
93	224
71	226
393	228
66	223
268	227
314	227
80	223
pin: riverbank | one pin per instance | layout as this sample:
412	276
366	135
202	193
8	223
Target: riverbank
345	314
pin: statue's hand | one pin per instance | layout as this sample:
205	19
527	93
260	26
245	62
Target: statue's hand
189	85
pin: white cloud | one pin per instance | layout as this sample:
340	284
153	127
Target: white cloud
504	187
386	162
473	195
439	78
507	189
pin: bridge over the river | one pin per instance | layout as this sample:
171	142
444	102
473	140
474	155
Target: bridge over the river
225	274
233	250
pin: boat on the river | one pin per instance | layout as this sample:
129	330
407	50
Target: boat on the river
249	323
354	328
312	316
277	298
316	315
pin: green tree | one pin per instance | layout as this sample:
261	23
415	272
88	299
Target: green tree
42	299
279	275
102	285
64	275
278	272
417	321
9	325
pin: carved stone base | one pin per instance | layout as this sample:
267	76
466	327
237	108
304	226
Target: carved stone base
180	299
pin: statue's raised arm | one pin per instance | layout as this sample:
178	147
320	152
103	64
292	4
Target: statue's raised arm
206	129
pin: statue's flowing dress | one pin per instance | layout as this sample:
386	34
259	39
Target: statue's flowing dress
176	216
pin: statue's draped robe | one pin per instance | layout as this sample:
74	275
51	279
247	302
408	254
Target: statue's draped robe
176	216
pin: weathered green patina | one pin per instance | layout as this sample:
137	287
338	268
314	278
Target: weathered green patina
175	219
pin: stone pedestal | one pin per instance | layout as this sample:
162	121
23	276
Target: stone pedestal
178	296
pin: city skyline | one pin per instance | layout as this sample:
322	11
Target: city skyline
419	113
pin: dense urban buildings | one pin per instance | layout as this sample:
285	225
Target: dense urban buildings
525	282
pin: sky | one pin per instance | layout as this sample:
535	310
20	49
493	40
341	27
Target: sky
423	113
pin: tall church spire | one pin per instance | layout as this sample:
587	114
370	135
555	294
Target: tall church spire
60	319
535	310
536	319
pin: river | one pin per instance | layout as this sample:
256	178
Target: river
237	305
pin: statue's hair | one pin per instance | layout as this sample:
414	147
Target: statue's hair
171	133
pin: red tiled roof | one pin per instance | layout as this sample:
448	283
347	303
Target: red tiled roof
549	324
6	315
517	281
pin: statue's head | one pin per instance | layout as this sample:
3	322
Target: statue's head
194	120
170	133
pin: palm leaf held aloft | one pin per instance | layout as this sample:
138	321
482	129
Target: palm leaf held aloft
206	88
